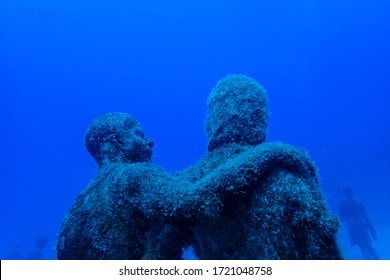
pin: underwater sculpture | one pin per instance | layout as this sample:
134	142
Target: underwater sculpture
246	199
276	209
113	217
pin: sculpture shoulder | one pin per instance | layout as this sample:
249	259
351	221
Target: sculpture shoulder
264	158
213	160
284	155
237	170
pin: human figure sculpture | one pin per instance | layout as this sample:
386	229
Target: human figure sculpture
277	211
246	199
353	212
108	220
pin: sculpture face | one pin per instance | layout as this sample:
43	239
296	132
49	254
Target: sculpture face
118	137
136	146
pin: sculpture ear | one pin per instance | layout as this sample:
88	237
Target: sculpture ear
106	152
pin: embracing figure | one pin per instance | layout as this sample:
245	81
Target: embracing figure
246	199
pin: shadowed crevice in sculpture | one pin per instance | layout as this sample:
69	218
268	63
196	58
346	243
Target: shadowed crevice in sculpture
245	199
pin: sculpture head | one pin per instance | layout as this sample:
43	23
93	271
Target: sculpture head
237	112
118	137
347	190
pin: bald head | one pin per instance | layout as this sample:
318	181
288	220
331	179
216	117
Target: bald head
117	137
237	112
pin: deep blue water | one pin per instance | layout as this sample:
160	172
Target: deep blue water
325	65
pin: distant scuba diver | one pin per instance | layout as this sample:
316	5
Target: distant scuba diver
353	212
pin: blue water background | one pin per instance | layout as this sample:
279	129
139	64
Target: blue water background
325	65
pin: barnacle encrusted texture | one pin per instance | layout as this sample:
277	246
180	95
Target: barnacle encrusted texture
245	199
237	112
